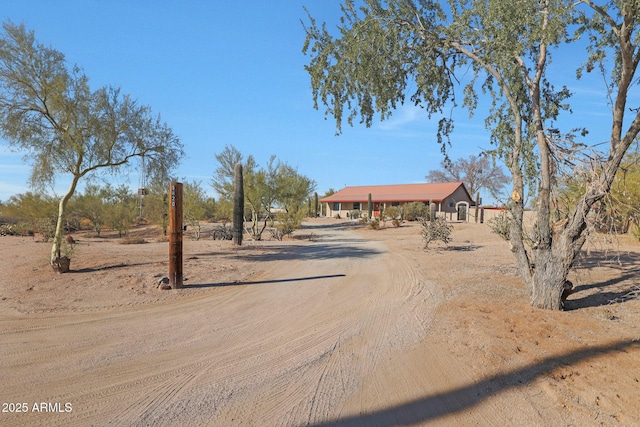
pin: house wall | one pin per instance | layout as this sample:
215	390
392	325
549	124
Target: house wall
347	207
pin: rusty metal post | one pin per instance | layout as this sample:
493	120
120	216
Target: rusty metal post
175	235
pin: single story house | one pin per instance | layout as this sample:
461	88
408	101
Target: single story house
452	198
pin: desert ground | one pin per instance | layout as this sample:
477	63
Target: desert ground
340	325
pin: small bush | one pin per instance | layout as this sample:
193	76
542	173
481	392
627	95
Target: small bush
436	230
501	225
393	213
375	224
415	211
222	232
355	214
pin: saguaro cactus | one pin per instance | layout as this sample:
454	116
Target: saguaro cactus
432	211
238	205
370	207
315	205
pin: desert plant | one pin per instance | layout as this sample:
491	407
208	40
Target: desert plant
222	232
415	211
288	222
375	224
436	230
501	225
393	212
238	205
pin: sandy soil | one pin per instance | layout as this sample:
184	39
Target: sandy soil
339	326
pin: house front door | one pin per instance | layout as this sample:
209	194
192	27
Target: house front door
462	212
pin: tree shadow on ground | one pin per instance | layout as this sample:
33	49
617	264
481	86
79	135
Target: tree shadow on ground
261	282
463	248
315	251
111	267
621	260
435	406
600	298
626	266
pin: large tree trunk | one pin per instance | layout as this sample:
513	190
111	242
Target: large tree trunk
59	263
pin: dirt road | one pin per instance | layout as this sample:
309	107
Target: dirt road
332	331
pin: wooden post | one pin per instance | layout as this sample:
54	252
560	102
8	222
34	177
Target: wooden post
175	235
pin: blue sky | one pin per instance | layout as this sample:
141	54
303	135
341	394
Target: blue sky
224	72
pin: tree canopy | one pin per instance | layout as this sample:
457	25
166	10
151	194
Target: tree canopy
477	172
49	112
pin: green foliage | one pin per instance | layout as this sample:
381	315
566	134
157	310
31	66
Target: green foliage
155	209
501	224
619	209
121	211
415	211
278	185
374	224
288	222
394	214
355	214
194	206
436	230
32	212
92	205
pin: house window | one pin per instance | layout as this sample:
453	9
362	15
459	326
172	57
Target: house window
395	203
356	206
451	204
336	206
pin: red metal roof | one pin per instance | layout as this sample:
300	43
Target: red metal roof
396	193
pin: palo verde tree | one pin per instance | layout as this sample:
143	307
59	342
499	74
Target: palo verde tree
66	129
384	53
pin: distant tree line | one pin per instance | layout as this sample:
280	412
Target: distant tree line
104	207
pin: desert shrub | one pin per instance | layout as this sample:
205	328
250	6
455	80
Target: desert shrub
7	230
276	234
288	222
375	224
364	219
415	211
501	224
393	213
337	216
355	214
436	230
222	232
